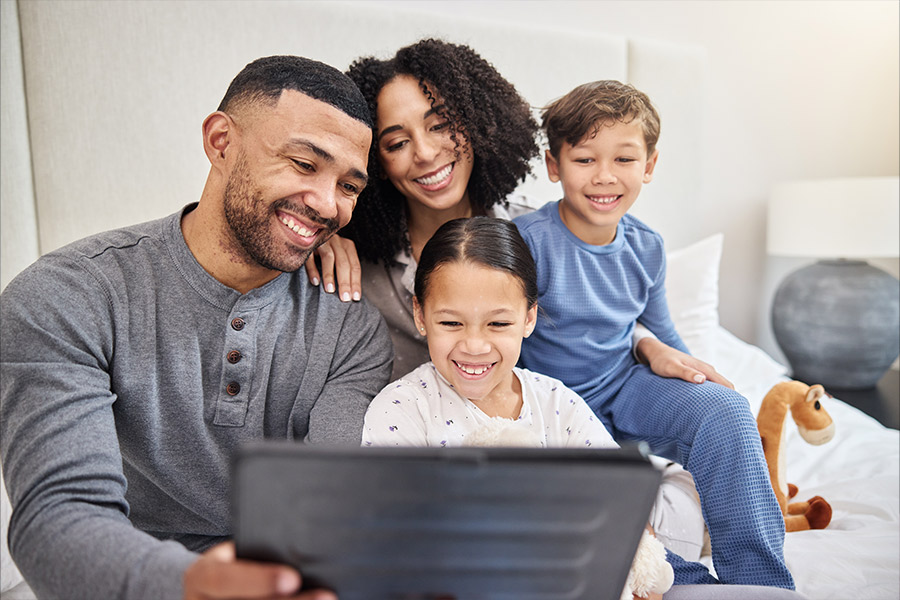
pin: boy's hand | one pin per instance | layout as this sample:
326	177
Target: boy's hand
219	574
666	361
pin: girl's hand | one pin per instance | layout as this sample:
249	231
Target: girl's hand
339	259
666	361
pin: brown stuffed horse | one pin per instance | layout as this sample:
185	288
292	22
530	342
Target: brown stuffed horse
815	426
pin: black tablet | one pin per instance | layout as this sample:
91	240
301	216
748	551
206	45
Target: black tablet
437	523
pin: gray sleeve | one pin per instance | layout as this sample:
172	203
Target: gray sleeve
358	366
69	533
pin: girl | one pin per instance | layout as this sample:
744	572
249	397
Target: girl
475	300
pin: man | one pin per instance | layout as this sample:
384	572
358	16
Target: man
135	362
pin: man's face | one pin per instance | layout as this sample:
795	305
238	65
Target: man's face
294	180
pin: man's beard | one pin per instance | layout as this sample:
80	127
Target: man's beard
251	220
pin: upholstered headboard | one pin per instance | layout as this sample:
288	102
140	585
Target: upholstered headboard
103	101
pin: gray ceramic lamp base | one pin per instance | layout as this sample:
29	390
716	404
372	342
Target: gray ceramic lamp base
838	323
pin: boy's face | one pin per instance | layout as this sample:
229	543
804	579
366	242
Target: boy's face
601	178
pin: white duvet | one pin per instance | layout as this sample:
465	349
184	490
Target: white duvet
857	472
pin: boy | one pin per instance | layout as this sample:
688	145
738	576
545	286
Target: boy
600	271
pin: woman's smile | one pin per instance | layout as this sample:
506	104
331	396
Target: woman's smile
436	179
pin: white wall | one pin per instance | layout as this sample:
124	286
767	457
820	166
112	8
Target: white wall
18	221
797	90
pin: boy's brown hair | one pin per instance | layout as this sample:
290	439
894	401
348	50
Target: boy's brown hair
588	107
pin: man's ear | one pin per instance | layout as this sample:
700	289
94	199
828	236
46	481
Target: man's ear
552	166
218	128
651	164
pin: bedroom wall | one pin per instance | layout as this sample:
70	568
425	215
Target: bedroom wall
796	90
95	74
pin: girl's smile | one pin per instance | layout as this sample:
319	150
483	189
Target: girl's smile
437	180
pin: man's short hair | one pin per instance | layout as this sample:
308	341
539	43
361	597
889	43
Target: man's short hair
264	79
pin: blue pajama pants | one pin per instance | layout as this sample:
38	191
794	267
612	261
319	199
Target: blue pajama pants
710	430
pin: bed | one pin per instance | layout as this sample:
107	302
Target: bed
858	471
56	56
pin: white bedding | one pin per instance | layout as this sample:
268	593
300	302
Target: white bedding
857	472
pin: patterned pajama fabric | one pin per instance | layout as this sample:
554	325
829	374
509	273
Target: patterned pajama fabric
710	430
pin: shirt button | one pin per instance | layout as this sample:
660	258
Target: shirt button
234	357
233	388
237	323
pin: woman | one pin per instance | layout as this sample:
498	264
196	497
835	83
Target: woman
436	156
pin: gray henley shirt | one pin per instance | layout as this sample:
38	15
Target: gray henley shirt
129	378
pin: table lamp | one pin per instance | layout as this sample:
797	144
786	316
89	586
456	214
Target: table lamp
838	320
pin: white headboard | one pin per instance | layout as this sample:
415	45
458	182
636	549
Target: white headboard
103	101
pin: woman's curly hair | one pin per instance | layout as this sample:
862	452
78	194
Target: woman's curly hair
478	101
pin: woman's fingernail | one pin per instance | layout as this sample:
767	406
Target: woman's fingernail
345	297
329	287
315	281
356	296
699	378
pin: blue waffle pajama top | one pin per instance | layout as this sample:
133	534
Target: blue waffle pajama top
590	298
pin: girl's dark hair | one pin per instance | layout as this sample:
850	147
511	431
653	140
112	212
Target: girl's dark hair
493	243
478	101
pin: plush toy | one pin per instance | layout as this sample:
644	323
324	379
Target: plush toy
650	573
815	426
502	432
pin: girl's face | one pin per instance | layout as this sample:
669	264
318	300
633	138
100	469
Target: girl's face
475	319
415	148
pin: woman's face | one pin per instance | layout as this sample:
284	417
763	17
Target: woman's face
415	148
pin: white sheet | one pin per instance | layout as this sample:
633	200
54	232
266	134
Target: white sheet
857	472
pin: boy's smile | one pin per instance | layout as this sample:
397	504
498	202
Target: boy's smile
601	178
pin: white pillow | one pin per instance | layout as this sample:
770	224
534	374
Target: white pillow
692	290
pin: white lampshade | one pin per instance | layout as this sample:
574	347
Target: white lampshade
855	217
